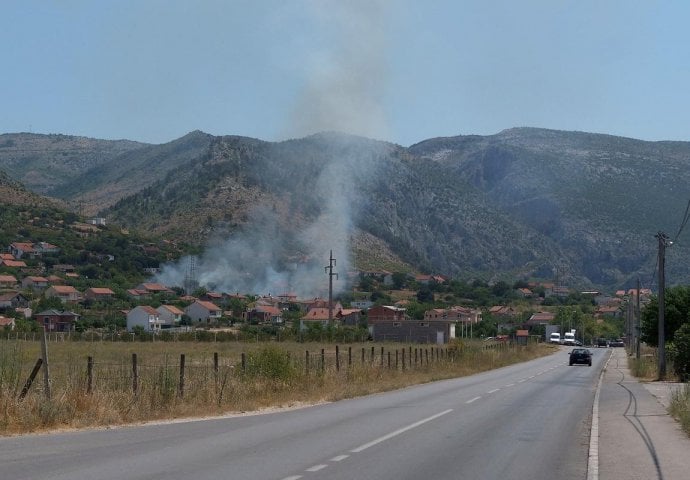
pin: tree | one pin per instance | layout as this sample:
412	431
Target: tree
425	295
676	313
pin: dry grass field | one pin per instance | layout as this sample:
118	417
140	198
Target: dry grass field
94	384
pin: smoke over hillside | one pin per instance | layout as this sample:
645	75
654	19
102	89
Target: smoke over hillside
342	90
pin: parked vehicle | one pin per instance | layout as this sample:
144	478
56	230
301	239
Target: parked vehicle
569	338
617	343
555	338
602	342
581	356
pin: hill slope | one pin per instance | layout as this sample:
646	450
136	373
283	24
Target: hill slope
575	207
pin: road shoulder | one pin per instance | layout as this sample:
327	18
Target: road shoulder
638	439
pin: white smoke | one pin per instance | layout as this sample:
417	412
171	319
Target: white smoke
342	93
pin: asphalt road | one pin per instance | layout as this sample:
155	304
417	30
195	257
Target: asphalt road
527	421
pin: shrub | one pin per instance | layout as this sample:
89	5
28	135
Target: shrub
270	362
679	352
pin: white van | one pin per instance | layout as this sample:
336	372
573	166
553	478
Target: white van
569	338
555	338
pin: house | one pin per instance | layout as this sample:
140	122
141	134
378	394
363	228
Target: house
64	267
143	316
66	293
57	321
213	297
44	248
438	331
7	323
153	288
12	263
22	249
385	313
35	283
97	221
503	311
169	315
349	316
264	314
99	294
7	256
203	311
522	337
8	281
525	292
316	315
13	300
32	250
541	318
456	314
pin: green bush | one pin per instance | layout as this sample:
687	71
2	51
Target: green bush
270	362
679	352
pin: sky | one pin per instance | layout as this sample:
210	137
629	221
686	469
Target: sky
400	71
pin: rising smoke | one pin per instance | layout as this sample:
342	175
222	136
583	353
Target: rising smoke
343	93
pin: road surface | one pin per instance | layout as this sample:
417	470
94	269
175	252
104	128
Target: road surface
527	421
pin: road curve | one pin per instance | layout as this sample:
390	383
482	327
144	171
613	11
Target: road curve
526	421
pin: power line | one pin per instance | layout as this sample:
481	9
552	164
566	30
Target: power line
684	222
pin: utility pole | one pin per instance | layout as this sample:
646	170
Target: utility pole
331	274
663	239
638	323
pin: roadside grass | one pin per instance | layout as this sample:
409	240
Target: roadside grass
218	378
646	369
680	407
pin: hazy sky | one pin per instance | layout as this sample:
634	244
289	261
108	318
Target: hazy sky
402	71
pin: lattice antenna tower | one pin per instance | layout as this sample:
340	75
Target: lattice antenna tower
190	281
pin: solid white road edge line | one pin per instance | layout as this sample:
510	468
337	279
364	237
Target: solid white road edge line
593	460
399	431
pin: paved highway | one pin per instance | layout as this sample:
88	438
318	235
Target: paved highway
527	421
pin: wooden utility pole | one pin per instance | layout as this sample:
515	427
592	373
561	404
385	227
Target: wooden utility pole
46	370
662	237
331	274
638	323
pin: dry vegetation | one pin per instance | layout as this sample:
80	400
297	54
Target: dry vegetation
272	375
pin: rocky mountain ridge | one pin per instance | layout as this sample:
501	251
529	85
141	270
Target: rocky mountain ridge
578	208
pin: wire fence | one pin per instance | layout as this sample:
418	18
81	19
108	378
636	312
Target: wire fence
182	374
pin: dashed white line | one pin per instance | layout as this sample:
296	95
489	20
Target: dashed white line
523	380
473	399
316	468
399	431
339	458
510	385
294	477
494	390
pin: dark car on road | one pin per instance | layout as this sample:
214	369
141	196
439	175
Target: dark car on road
617	343
581	356
602	342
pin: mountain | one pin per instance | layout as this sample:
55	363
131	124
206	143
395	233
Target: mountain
13	192
577	208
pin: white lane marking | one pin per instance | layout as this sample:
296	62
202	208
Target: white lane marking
294	477
494	390
523	380
399	431
593	459
473	400
316	468
339	458
510	385
531	377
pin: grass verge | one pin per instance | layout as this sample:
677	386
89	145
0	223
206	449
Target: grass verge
680	407
217	379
